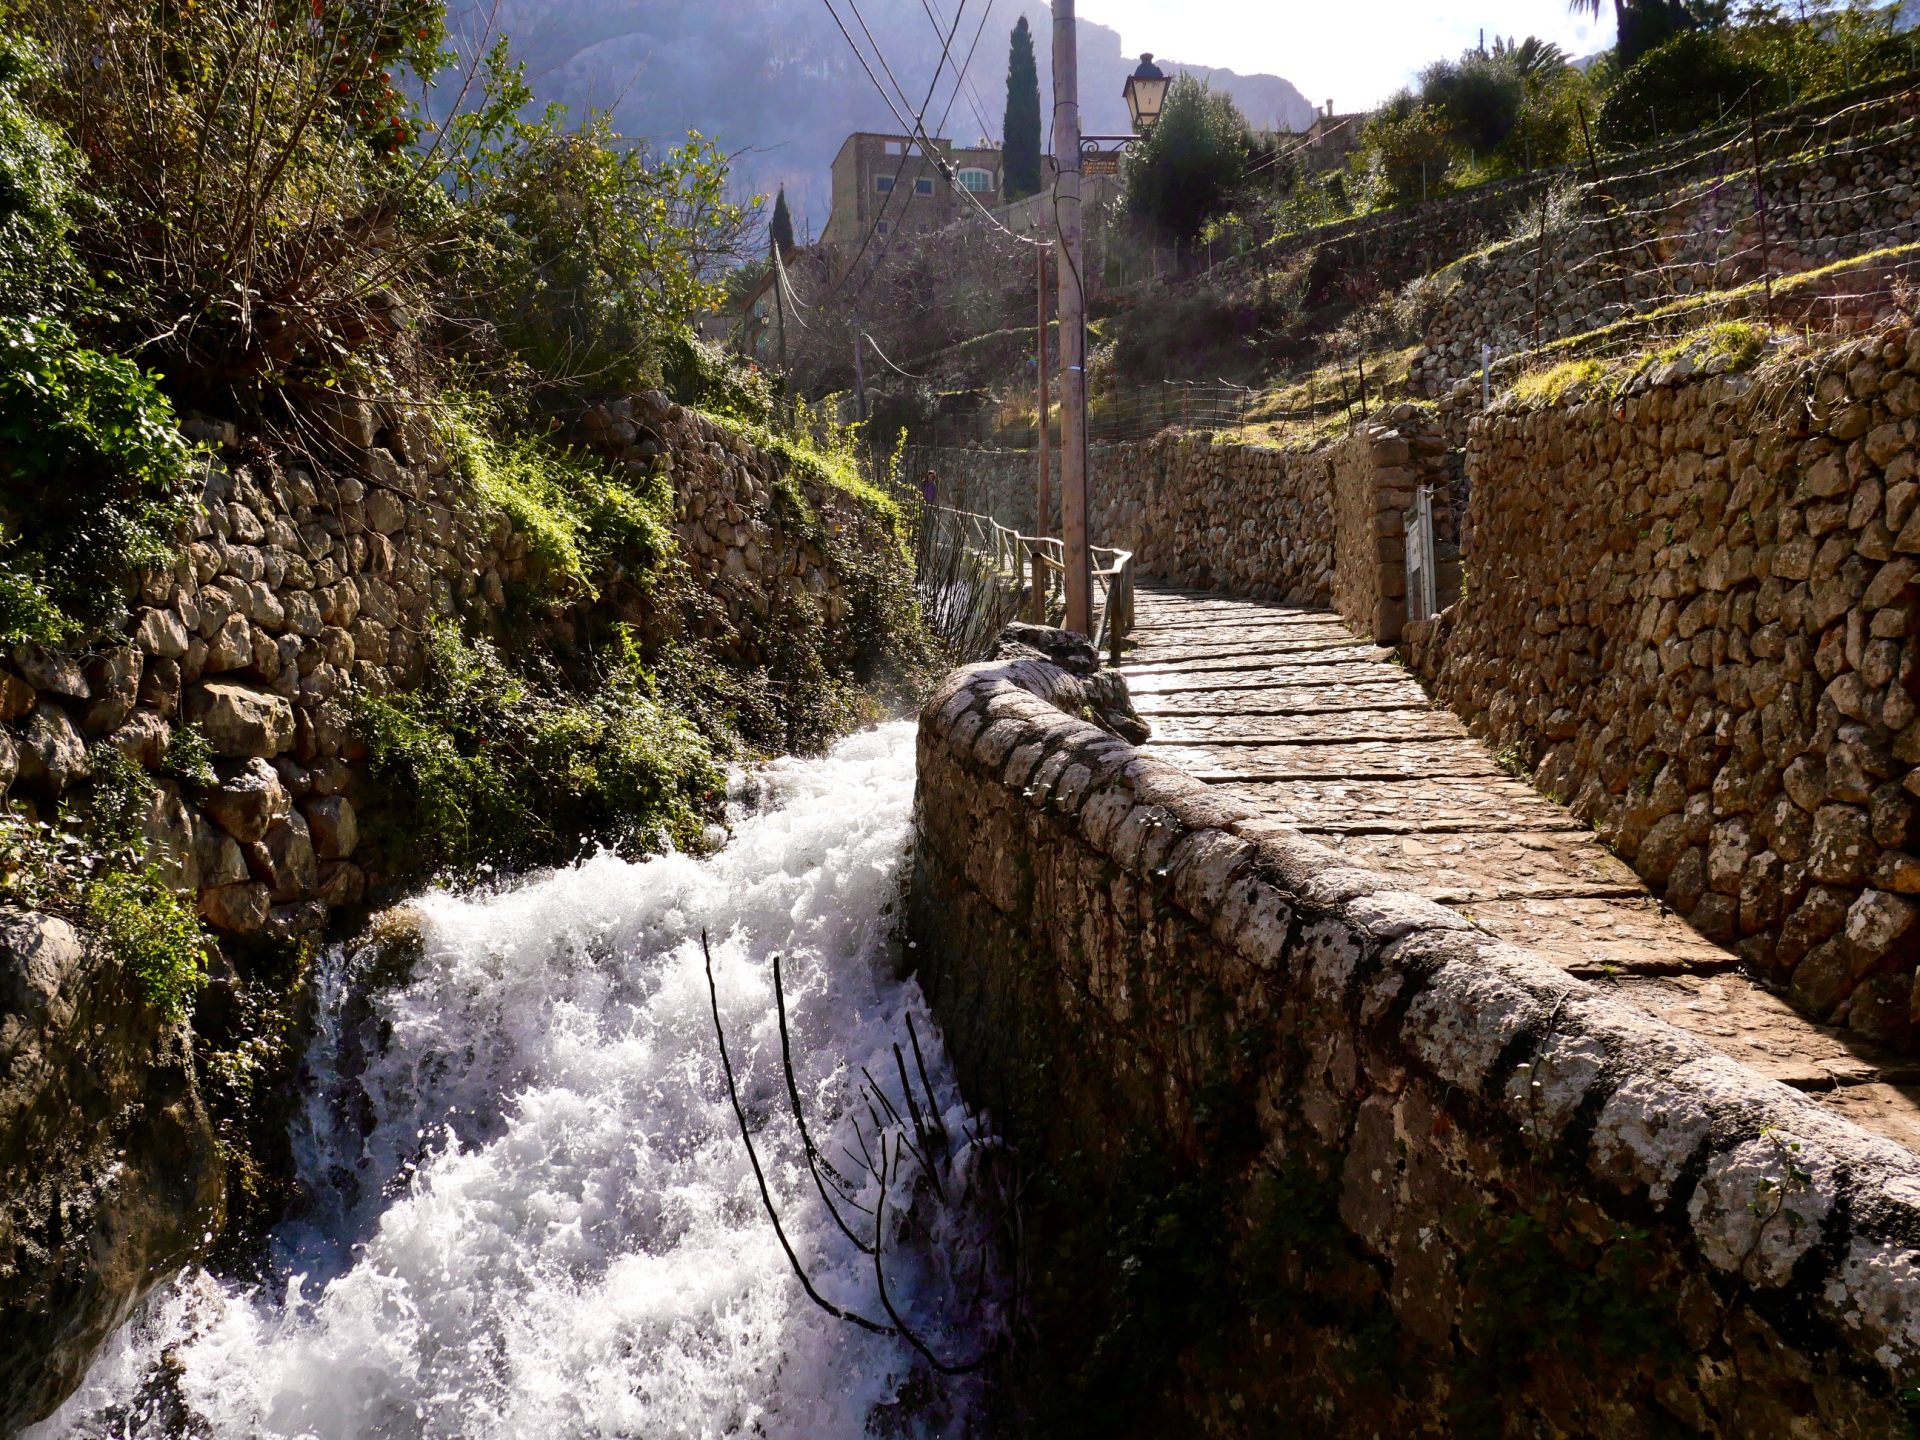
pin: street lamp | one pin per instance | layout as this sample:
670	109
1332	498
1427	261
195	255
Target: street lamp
1146	92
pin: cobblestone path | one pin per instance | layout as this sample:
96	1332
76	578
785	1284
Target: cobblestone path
1287	710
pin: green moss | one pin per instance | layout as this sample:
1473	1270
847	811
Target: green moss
1550	387
1740	343
831	460
579	521
152	933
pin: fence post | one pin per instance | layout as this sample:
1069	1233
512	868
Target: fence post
1760	201
1037	602
1606	201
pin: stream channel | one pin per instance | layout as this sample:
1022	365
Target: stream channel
530	1210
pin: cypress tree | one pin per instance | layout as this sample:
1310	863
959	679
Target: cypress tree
1021	133
782	228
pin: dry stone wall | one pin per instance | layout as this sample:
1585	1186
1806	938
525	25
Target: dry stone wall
1375	476
1684	231
1693	611
1405	1125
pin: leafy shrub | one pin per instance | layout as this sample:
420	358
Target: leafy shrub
86	866
152	933
703	377
92	480
36	189
578	245
579	521
1191	166
1696	79
189	757
480	767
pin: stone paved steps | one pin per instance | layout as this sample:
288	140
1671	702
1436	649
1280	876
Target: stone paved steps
1259	660
1319	726
1284	709
1322	676
1356	759
1403	806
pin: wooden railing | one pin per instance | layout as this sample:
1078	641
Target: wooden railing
1039	562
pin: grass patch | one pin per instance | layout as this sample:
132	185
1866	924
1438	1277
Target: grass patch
1551	387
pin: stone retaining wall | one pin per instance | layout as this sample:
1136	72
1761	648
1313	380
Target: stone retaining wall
1692	611
1441	1174
1684	231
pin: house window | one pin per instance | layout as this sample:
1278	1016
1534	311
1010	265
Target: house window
883	183
980	182
923	187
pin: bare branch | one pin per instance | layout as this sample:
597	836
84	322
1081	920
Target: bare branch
766	1197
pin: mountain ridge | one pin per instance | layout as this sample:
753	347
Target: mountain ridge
774	82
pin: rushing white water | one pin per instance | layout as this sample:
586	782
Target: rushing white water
533	1215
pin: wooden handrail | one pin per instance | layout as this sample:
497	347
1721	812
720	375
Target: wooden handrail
1013	555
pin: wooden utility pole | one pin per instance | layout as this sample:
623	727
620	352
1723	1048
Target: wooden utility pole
1073	319
1043	517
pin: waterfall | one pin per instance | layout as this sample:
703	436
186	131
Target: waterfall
530	1210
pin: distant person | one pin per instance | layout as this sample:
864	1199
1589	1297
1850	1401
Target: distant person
929	487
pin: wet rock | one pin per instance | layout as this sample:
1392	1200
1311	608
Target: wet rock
109	1171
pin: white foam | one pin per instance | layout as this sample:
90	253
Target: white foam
551	1227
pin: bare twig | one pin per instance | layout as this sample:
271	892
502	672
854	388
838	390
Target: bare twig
905	1331
814	1160
766	1197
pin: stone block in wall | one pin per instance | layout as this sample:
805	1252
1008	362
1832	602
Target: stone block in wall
241	721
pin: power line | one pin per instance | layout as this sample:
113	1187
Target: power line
906	151
885	361
973	96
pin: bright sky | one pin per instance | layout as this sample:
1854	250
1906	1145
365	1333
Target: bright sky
1354	52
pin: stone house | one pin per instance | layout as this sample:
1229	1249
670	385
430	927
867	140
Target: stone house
888	183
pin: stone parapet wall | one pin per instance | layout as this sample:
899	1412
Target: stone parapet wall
1692	612
1400	1123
